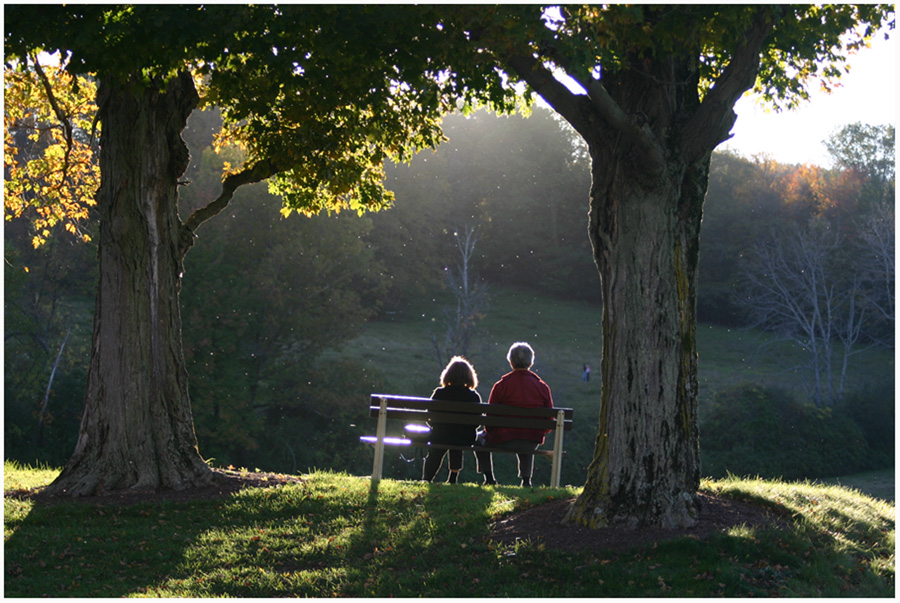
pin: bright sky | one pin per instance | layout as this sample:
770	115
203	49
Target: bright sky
867	95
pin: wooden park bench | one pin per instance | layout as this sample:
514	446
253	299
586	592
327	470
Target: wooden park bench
419	411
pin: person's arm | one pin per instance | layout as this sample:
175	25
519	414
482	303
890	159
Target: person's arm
494	397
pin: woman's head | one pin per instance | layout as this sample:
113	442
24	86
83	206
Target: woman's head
459	372
520	355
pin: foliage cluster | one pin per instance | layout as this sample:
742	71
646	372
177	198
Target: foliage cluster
295	96
766	431
331	535
50	173
760	200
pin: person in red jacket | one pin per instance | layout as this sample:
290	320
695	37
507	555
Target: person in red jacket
521	387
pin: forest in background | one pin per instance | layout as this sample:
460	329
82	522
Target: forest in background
270	304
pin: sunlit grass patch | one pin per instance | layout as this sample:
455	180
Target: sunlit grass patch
18	477
24	477
856	530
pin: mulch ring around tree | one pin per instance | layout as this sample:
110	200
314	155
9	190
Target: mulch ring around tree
542	525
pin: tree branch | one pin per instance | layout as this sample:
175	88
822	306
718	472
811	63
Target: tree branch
259	172
60	115
564	101
712	122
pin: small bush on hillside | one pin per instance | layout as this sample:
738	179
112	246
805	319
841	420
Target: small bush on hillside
873	411
765	432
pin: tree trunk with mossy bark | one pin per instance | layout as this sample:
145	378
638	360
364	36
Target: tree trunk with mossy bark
137	431
650	134
646	469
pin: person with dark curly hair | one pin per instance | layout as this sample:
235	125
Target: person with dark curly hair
458	383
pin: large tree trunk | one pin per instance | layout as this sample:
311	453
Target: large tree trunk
137	431
646	467
651	136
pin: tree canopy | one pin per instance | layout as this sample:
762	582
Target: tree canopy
314	98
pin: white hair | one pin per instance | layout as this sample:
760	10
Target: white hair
520	355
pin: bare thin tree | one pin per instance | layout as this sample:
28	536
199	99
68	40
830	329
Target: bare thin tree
796	289
876	246
469	294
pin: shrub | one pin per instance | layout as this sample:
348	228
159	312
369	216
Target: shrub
753	430
873	410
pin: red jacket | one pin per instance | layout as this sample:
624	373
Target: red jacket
522	388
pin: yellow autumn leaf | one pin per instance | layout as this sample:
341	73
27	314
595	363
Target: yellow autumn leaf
65	176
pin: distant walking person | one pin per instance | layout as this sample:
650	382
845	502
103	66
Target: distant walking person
458	383
522	388
586	373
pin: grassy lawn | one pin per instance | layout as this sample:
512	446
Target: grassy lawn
332	535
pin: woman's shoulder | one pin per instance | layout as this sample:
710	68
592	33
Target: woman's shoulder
456	393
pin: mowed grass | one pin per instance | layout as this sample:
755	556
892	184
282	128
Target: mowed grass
333	535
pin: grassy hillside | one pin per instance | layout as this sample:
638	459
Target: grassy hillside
565	335
332	535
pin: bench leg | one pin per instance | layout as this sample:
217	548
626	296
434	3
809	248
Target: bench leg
556	463
380	430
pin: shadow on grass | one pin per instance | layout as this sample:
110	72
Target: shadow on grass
97	551
329	535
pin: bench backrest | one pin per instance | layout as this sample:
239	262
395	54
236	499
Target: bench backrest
409	408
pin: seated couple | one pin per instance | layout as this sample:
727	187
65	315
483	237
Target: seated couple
520	387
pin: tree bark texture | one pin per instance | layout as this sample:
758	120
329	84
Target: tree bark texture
137	430
646	467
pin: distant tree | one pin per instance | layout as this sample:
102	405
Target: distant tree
516	179
868	149
798	286
46	295
876	265
469	294
743	200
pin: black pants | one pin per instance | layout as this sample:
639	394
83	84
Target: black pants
485	463
435	459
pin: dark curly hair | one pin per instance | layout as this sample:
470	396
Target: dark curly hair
459	372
